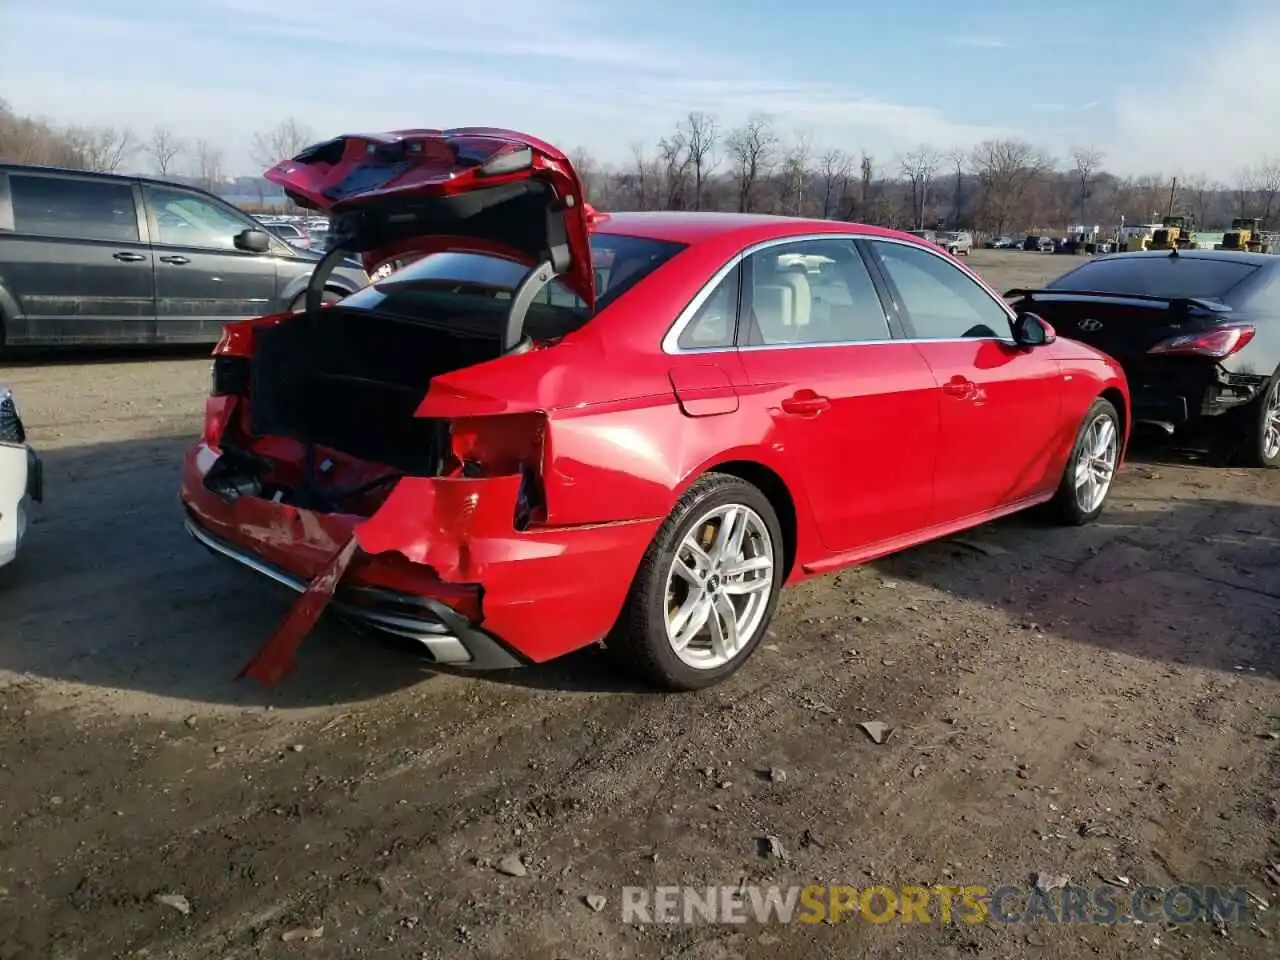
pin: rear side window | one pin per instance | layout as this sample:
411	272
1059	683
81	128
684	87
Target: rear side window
75	209
1158	276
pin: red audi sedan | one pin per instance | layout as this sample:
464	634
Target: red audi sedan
554	428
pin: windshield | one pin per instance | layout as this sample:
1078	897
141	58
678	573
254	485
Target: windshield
442	281
1161	276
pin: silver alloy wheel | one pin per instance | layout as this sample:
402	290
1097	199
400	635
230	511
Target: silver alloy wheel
719	585
1271	424
1096	463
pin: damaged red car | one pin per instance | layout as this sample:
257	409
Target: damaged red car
552	428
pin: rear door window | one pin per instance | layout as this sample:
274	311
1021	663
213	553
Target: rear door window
74	209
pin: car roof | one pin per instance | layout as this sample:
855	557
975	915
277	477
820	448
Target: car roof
1229	256
692	227
99	174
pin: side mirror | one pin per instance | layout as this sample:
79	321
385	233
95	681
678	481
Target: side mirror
1030	330
252	241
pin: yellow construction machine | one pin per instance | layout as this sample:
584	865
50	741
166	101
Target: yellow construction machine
1175	233
1245	234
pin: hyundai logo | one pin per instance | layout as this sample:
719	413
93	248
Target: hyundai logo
1090	324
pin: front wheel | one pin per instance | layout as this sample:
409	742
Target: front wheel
1091	468
706	588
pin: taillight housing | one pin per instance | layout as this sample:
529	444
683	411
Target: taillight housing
500	446
1215	344
229	377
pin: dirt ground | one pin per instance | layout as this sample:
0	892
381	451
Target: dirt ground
1099	703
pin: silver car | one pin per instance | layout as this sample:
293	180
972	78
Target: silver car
958	243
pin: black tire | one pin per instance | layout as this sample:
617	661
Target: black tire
300	301
1253	446
638	641
1065	507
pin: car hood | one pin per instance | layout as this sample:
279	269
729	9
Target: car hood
480	189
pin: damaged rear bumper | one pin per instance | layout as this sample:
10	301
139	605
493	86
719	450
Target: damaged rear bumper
439	562
445	635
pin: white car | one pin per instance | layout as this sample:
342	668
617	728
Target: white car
21	478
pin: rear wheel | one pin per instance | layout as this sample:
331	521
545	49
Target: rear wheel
1262	442
706	588
1086	482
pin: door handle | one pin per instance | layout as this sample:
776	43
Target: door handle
959	387
176	260
127	257
805	403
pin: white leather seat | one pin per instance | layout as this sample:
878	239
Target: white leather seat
774	308
802	298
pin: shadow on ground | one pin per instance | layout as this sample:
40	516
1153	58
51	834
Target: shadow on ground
87	356
109	591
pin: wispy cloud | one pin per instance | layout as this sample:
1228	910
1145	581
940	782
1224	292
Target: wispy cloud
1216	119
980	42
591	76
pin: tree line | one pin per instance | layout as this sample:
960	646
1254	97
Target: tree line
998	186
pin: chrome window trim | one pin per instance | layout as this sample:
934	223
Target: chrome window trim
670	342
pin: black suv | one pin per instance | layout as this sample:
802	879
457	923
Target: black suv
96	258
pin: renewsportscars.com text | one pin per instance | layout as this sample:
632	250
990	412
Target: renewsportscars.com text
1102	905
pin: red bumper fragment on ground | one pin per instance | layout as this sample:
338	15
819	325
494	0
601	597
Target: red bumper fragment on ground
275	659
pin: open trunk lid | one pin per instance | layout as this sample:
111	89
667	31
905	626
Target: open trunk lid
476	189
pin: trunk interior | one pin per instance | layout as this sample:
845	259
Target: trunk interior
351	380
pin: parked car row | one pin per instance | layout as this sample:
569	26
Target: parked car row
551	427
958	243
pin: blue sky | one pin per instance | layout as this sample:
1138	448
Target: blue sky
1195	88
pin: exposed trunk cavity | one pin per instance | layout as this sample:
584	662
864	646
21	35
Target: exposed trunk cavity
351	381
331	400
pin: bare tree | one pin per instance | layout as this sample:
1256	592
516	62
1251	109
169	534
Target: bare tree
919	167
1088	160
164	148
1151	191
1267	186
957	158
588	172
701	137
795	170
1198	188
208	164
1246	184
1007	170
286	139
105	149
28	140
751	147
641	179
673	157
866	176
835	176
